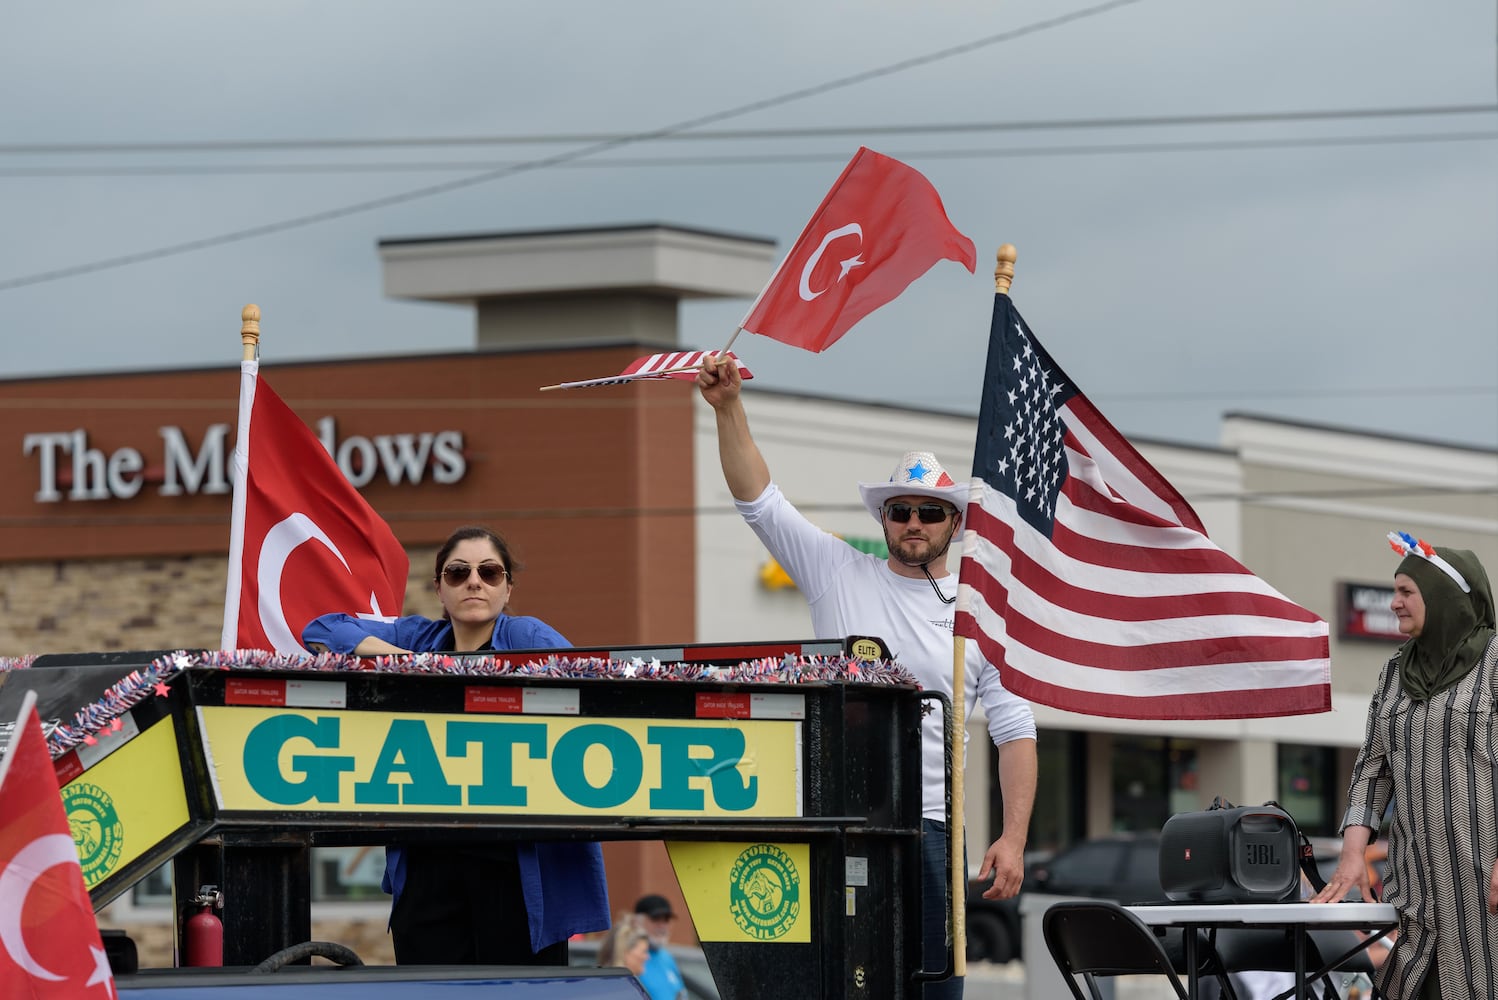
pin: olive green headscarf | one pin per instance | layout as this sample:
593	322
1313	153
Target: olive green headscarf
1457	626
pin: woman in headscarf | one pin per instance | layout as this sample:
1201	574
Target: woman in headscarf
1431	750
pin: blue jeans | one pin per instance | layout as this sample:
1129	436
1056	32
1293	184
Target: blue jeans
935	878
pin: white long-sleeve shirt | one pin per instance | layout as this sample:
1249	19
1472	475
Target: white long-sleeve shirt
855	593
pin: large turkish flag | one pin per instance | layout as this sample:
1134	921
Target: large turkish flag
49	941
304	542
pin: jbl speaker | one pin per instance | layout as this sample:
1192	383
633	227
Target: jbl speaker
1244	854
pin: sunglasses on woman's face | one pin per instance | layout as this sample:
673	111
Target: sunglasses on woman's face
929	513
456	574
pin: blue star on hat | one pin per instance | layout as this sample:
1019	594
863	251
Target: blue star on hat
919	474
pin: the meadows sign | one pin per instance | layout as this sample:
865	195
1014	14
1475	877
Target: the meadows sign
69	469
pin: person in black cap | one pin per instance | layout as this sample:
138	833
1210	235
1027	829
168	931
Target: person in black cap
661	978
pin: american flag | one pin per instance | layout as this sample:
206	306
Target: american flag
1091	583
671	365
677	364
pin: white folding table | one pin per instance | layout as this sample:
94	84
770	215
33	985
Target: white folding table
1377	919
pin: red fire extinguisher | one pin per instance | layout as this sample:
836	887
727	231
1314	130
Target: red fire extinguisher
204	932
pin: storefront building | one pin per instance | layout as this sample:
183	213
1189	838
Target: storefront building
115	504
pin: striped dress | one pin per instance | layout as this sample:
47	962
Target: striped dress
1435	759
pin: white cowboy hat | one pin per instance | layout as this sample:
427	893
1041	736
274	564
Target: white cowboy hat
918	474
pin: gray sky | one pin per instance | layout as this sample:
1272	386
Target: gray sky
1354	283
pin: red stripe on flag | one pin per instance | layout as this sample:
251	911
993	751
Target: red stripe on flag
1106	605
1026	631
1141	558
1080	415
1252	703
1160	655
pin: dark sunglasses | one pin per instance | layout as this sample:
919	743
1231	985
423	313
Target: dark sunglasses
929	513
456	574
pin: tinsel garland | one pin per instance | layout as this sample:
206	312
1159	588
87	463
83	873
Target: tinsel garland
138	685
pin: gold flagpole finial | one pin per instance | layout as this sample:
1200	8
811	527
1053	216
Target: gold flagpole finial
249	331
1003	272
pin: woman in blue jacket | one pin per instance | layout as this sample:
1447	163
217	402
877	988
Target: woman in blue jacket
455	903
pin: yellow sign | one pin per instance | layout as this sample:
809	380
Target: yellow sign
127	803
746	892
341	761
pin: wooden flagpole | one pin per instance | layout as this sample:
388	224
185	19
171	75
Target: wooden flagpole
1003	275
249	340
249	332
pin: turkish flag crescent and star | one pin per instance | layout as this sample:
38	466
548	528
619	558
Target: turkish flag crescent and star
49	940
303	542
1091	583
880	227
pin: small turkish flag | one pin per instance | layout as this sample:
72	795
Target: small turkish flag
303	542
49	941
880	227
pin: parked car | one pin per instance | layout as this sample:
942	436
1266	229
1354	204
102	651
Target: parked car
1123	868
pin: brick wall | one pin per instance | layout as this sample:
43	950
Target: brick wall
107	605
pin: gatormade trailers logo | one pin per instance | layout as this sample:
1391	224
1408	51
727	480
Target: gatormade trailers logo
348	761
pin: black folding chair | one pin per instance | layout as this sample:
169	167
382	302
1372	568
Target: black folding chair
1099	938
1328	952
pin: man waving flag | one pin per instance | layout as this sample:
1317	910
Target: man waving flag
1091	582
880	227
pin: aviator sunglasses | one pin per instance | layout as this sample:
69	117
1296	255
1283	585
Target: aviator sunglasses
456	574
929	513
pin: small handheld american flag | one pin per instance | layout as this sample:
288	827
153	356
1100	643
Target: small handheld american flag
673	365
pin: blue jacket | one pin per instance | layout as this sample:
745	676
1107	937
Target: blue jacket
563	881
341	633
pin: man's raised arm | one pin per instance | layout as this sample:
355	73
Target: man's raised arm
744	468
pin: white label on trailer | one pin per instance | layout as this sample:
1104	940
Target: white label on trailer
777	706
316	694
549	701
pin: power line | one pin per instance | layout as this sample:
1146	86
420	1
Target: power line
747	159
399	198
602	401
1378	391
755	135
